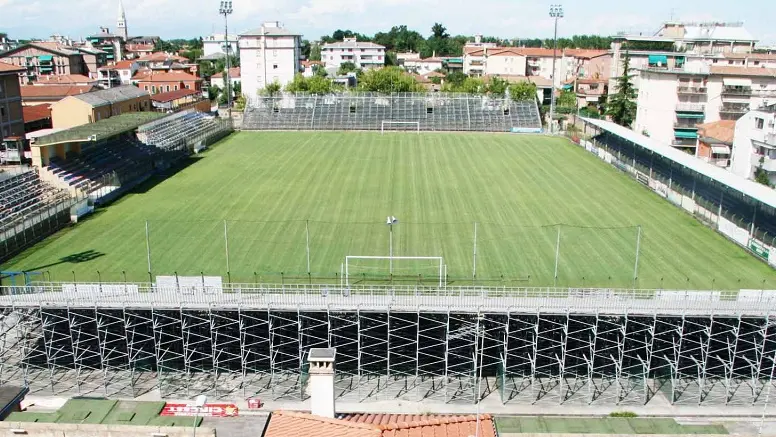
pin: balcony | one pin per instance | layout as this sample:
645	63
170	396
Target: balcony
687	124
719	162
737	91
477	63
684	142
691	90
769	164
690	107
732	109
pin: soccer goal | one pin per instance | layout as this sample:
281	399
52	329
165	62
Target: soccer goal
410	269
392	126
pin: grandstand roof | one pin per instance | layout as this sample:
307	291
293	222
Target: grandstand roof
105	128
111	95
756	191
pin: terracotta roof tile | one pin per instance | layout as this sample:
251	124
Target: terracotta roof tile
285	424
434	74
723	130
585	53
65	79
53	91
8	68
234	73
726	70
161	57
311	63
751	56
36	112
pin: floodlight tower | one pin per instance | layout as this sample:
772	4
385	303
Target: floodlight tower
226	9
556	12
390	221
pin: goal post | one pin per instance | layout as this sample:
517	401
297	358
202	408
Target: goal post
436	264
389	123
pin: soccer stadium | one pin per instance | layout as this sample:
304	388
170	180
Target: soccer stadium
443	244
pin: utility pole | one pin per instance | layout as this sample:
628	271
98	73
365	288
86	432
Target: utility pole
556	12
226	10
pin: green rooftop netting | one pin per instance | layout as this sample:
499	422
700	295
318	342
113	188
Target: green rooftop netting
102	129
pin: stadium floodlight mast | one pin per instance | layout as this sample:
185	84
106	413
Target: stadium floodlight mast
226	9
390	221
556	12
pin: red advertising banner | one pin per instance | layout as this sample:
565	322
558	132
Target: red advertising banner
254	403
212	410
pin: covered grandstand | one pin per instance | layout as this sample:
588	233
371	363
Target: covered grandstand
742	210
93	163
401	111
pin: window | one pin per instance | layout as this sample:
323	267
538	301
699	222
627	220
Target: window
331	58
275	53
145	87
352	109
2	112
429	110
168	88
153	89
176	87
730	62
506	111
756	62
759	123
274	66
188	87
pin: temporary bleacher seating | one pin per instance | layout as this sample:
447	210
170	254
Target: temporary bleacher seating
367	111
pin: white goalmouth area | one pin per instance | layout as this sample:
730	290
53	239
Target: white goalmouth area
411	126
365	267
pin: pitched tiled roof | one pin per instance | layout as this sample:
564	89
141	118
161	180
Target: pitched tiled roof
285	424
36	112
434	74
65	79
234	73
52	92
722	130
111	95
53	46
306	64
6	68
378	425
506	51
725	70
174	95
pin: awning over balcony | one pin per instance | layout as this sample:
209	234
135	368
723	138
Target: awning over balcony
48	58
720	150
689	115
686	134
729	81
661	60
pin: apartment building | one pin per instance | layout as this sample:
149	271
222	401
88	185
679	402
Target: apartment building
111	44
139	46
673	101
163	82
215	44
506	62
268	54
754	145
44	59
364	55
11	115
715	142
98	105
423	66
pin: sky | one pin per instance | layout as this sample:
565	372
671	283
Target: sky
313	18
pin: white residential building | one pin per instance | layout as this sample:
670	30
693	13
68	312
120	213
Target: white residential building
364	55
423	66
268	54
215	44
754	144
673	101
506	62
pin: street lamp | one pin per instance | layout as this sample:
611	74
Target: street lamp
390	221
226	9
199	402
556	12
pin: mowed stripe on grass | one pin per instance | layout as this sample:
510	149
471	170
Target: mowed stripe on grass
271	187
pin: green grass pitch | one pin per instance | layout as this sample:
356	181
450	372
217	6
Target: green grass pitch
272	187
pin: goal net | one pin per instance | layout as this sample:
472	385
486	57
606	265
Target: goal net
426	270
394	126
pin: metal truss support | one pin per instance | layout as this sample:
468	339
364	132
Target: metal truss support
114	352
87	354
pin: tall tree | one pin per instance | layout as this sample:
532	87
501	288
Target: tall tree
439	31
497	86
315	52
388	80
622	104
567	102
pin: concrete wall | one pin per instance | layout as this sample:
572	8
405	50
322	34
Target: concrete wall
82	430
